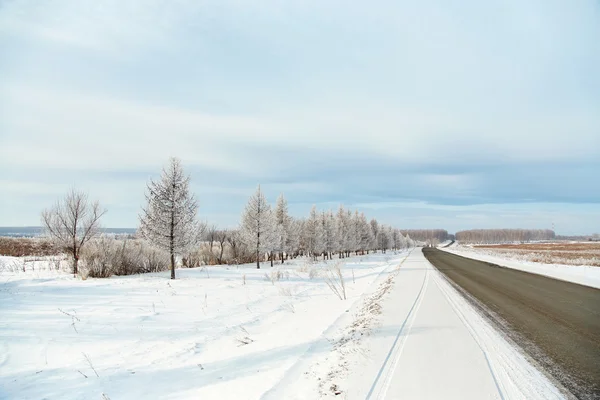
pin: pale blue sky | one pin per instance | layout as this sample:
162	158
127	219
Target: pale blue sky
456	115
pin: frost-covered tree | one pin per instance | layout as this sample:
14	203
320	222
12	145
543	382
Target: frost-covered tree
396	239
336	234
342	227
374	234
384	238
257	228
390	235
274	245
169	220
329	233
356	232
410	243
499	235
284	227
73	222
313	232
402	242
352	236
365	235
295	238
425	235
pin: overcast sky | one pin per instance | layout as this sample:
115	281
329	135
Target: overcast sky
461	114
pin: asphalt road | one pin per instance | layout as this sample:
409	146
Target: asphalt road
557	323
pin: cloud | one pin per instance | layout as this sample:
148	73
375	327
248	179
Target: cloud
110	134
446	104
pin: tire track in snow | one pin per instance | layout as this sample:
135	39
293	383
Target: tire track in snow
472	332
322	344
380	387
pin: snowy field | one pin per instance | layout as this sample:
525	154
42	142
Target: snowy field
216	333
582	274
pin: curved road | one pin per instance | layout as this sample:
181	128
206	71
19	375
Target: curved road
556	322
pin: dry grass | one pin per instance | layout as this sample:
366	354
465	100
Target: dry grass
569	246
570	253
19	247
334	278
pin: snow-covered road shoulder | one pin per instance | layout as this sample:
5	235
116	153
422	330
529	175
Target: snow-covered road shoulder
432	343
323	371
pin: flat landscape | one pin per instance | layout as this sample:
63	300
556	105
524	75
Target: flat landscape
570	253
243	333
220	332
566	261
299	200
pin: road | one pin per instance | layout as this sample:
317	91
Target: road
433	344
557	323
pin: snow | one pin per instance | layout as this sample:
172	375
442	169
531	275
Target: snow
326	362
433	344
216	333
580	274
428	343
404	332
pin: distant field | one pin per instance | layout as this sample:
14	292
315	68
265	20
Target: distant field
21	246
571	253
35	231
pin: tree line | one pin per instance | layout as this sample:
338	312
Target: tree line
324	233
169	222
428	236
490	236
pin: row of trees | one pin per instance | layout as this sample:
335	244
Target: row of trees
489	236
170	222
428	236
324	233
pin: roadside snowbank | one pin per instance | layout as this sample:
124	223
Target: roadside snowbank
580	274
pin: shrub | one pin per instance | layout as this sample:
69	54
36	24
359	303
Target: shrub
335	281
106	257
98	259
203	255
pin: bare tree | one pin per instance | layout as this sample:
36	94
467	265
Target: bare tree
169	219
221	238
211	237
234	241
72	222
